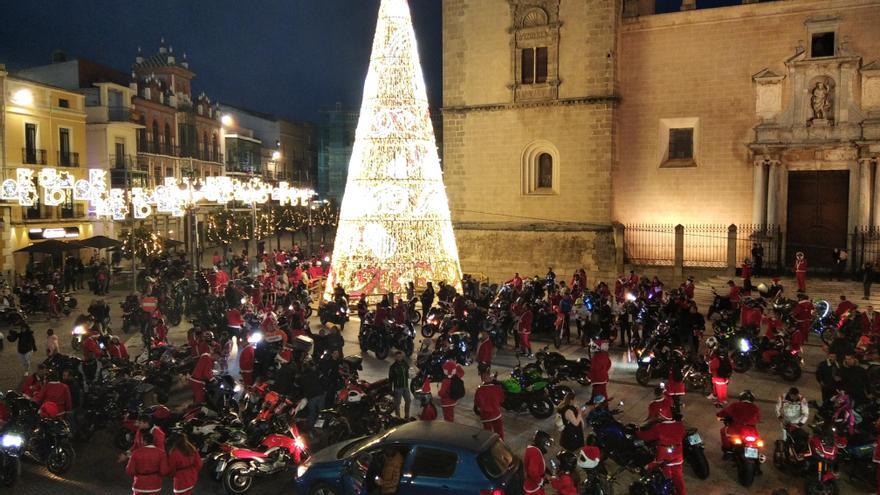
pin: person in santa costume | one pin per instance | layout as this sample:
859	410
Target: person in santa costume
447	402
487	402
56	392
246	360
183	465
203	371
800	271
146	466
563	482
533	463
803	317
525	330
429	410
667	436
600	365
485	349
743	414
660	408
117	349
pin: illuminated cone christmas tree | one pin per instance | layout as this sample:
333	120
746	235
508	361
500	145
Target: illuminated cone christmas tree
394	224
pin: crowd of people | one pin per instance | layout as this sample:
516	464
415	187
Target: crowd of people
251	318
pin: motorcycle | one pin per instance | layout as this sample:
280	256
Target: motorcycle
783	360
12	317
745	450
78	335
793	452
429	364
276	453
619	442
532	397
821	478
652	482
531	376
132	315
697	377
374	338
10	457
334	312
46	440
439	319
558	366
414	315
695	453
652	365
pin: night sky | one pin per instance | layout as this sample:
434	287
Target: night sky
285	57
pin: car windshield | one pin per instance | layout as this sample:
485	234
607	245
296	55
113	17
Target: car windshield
496	460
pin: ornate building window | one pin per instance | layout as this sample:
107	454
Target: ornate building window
679	142
540	169
535	49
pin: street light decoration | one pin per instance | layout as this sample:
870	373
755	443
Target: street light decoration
394	223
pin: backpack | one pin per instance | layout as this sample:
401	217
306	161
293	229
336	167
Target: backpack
724	368
456	388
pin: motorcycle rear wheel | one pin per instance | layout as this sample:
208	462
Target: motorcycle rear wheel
234	481
415	316
699	463
643	376
816	487
745	472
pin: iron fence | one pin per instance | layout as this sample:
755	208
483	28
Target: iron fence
765	240
649	244
865	247
705	245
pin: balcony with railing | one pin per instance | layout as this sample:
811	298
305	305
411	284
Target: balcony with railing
68	159
33	156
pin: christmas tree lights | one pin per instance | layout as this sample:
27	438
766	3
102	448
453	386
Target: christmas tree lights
394	224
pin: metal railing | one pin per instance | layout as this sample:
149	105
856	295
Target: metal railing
649	244
33	156
754	240
119	114
865	247
122	161
68	159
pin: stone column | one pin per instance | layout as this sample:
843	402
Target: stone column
773	180
875	217
759	195
865	205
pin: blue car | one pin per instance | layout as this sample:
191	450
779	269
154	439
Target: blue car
436	458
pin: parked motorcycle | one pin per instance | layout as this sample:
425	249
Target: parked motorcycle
617	441
792	453
652	482
10	457
695	453
745	450
439	319
532	397
821	478
276	453
334	312
46	440
558	366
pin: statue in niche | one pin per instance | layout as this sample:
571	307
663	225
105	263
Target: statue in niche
821	101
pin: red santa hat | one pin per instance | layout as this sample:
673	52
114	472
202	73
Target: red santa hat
450	367
589	457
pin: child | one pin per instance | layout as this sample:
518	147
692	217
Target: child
51	343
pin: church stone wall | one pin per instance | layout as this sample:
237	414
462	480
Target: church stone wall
699	64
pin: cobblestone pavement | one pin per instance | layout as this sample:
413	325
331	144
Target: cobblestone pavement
96	471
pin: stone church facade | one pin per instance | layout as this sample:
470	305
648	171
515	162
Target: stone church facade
564	117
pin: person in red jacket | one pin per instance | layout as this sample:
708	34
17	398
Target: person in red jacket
57	392
485	349
203	371
146	466
91	348
660	408
675	387
35	382
803	316
533	463
721	368
844	306
667	436
429	410
487	402
447	403
742	414
800	271
246	363
117	349
599	368
183	465
525	330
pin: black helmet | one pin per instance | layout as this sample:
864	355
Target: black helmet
542	440
793	394
567	462
747	396
483	368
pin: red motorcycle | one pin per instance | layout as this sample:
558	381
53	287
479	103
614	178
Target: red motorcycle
237	467
746	448
821	479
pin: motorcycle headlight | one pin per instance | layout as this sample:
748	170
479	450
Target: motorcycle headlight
237	388
255	337
646	359
79	330
744	345
243	300
11	440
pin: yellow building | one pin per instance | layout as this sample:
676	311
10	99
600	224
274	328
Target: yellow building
43	127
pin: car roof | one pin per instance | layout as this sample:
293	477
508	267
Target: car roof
442	433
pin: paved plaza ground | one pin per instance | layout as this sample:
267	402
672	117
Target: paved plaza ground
95	470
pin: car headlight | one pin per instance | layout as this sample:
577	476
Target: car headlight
11	440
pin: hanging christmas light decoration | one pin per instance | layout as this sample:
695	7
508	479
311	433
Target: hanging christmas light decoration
394	223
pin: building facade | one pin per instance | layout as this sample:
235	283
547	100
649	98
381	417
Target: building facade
43	127
562	118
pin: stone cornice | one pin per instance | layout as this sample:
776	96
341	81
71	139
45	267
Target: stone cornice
587	100
533	227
